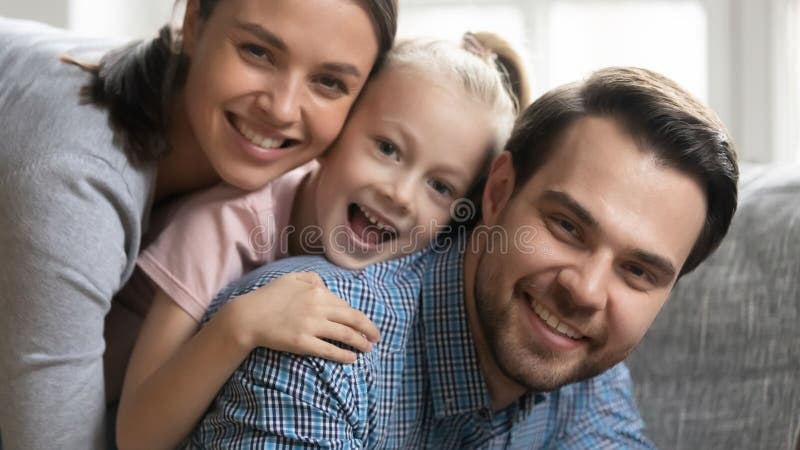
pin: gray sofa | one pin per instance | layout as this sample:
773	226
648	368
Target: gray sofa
720	367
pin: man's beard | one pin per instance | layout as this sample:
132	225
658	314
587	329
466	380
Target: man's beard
519	357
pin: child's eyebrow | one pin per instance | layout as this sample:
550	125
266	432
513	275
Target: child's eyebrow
409	138
455	171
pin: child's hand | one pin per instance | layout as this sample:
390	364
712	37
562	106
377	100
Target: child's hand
295	313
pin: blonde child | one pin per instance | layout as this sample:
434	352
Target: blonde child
420	137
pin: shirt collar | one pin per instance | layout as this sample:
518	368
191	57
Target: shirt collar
457	383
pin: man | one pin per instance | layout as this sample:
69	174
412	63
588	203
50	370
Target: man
511	336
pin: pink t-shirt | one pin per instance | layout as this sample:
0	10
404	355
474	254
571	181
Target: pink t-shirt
217	236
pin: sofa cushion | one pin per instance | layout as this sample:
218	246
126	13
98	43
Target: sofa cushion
720	367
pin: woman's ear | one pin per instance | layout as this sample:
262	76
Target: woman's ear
192	22
499	188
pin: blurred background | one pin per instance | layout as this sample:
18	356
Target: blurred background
740	56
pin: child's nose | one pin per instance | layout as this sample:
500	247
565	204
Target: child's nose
401	193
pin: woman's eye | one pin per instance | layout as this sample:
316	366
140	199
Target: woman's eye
387	148
441	187
256	52
333	84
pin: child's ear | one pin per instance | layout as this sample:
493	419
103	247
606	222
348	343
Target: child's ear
192	24
499	188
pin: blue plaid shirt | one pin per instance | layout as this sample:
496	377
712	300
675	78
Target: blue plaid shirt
420	387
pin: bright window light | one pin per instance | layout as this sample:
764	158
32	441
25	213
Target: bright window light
452	21
666	36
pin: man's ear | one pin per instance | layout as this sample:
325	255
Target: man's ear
191	26
499	188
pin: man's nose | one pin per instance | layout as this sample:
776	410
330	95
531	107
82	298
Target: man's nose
587	281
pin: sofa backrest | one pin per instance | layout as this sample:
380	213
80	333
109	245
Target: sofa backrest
720	367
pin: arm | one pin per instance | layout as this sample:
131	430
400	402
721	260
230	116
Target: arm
206	244
63	233
281	400
174	373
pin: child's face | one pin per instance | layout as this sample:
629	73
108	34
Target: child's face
410	149
270	83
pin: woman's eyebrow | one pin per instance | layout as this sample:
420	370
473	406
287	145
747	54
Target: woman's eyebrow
263	34
275	41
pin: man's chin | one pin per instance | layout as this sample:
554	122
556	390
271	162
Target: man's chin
539	375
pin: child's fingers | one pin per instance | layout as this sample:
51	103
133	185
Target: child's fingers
346	335
308	277
356	320
332	352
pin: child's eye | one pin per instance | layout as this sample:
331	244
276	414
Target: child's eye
441	188
256	52
387	148
333	86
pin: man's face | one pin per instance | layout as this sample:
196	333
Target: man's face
611	229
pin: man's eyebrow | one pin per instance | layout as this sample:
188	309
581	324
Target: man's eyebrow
659	262
565	199
275	41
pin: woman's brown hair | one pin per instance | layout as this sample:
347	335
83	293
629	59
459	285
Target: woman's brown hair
137	82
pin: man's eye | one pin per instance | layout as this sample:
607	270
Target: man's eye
567	226
565	229
639	277
637	271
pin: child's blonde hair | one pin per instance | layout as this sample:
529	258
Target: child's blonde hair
489	71
481	65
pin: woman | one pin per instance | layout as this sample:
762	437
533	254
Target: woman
254	89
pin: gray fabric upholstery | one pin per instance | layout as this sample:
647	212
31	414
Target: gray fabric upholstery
720	368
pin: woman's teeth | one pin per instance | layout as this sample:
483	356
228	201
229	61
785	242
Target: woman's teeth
552	321
375	221
257	139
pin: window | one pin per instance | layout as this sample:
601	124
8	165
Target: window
451	20
666	36
742	57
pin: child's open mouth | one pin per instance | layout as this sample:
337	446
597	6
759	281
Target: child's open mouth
368	226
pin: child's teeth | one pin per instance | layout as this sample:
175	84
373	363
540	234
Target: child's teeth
375	221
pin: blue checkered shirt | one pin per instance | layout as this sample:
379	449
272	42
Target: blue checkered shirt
420	387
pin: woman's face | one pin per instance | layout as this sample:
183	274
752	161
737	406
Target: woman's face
270	83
